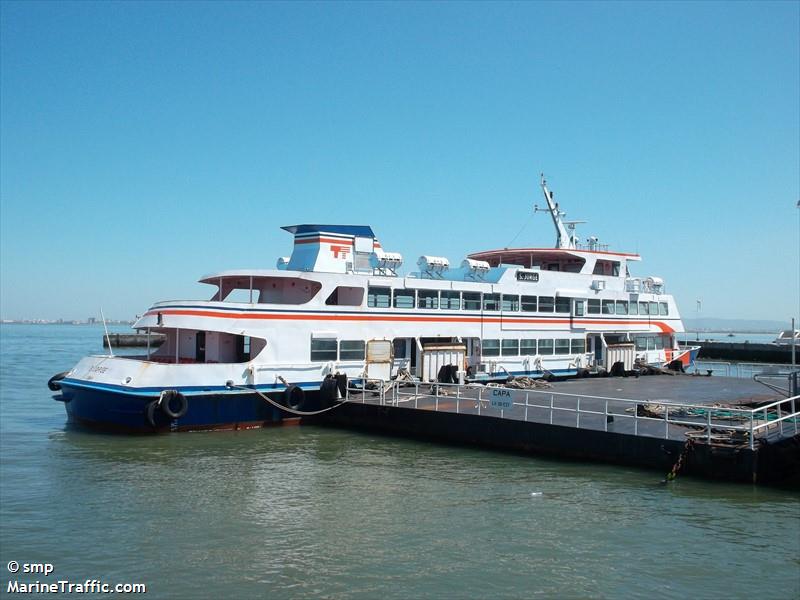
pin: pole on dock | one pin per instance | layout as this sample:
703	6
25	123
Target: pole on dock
794	343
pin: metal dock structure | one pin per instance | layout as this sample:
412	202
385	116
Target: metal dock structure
720	428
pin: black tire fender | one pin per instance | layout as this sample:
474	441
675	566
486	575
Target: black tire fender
294	398
54	382
172	399
150	413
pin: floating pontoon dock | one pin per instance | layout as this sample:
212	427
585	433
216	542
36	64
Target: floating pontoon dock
724	428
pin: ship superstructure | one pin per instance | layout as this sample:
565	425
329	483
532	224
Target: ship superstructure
337	307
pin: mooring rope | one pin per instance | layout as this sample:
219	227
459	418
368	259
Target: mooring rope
301	413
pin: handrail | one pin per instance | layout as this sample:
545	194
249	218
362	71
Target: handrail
769	417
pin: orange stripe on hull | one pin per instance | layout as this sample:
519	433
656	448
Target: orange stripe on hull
400	318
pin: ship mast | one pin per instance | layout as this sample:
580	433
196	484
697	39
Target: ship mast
564	240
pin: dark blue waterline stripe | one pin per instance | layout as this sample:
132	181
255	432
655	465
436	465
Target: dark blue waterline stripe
155	391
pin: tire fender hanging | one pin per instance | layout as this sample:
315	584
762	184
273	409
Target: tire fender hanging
173	404
294	397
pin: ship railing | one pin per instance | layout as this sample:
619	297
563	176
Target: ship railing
714	424
741	370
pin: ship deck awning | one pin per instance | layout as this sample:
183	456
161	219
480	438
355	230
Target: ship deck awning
528	257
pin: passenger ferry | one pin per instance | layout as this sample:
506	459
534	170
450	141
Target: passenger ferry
272	344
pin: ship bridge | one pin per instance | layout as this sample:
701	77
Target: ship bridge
568	260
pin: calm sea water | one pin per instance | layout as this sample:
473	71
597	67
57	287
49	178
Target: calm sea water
302	511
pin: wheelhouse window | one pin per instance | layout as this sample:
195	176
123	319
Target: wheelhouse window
427	299
509	303
633	308
527	347
490	348
644	308
404	298
450	300
379	297
529	304
622	307
323	349
663	309
510	348
472	300
545	347
491	302
562	346
653	308
546	304
593	307
562	304
345	295
351	350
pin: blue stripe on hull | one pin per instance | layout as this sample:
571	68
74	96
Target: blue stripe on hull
120	408
127	412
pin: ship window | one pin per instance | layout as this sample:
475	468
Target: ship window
345	295
622	307
490	348
242	348
427	299
323	349
654	308
527	347
641	342
562	346
351	350
472	301
663	309
510	303
594	307
659	342
562	304
615	269
546	303
450	300
510	348
633	308
404	298
400	348
578	346
529	303
608	307
644	308
651	343
545	347
379	297
491	301
578	308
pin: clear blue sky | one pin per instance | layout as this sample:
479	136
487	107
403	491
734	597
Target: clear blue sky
146	144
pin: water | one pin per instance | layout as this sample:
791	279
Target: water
731	338
301	511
